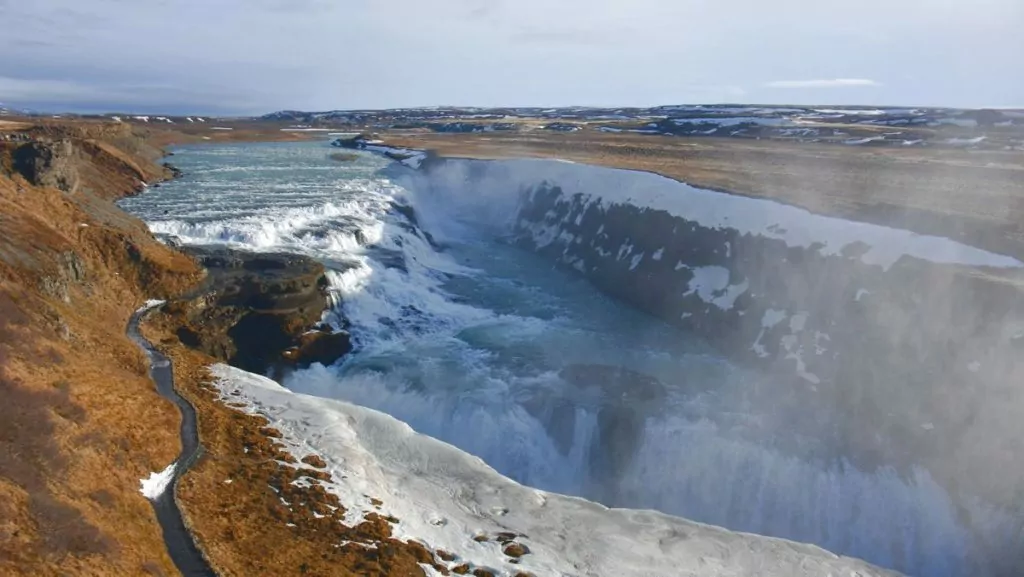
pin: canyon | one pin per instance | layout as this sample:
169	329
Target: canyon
876	360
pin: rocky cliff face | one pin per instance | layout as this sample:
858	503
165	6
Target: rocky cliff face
50	164
259	312
894	349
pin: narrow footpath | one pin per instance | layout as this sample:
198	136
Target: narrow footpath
180	544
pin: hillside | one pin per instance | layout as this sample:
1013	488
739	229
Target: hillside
80	422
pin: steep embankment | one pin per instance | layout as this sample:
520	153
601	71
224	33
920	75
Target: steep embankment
894	349
80	423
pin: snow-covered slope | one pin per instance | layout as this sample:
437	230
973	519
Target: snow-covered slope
444	497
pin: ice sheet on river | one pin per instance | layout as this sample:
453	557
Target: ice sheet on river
443	497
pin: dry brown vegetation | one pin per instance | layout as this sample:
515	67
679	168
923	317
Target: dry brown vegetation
154	135
80	423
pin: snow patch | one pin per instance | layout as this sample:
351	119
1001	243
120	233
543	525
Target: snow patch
794	350
773	317
712	285
770	319
155	485
408	156
732	121
797	322
965	141
857	141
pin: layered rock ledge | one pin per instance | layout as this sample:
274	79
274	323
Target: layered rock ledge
258	312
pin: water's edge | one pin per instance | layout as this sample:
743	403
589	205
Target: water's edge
181	545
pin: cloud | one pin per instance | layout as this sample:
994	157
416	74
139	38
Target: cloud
16	89
588	38
112	96
259	55
824	83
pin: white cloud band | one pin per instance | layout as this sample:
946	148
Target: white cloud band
823	83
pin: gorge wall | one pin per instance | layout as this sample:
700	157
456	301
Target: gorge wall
893	348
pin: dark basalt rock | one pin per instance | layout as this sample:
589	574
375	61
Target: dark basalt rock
625	398
618	384
620	398
48	164
357	142
259	312
174	170
318	346
414	224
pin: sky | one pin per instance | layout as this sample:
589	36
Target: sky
257	56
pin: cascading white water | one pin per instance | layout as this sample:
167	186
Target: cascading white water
465	338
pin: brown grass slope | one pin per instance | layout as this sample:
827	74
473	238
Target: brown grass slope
80	422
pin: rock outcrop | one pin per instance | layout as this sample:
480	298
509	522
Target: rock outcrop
259	312
48	164
627	399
